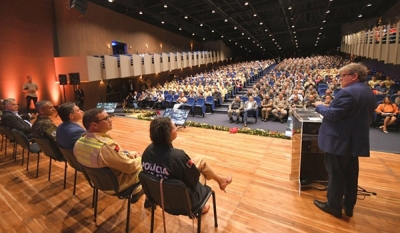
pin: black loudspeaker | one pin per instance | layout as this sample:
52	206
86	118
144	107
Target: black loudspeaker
74	79
62	79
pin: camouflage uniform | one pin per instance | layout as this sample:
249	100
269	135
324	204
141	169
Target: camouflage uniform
44	128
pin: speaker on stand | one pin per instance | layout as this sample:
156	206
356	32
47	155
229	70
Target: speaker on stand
62	79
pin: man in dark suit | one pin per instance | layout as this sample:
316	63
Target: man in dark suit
344	136
11	119
71	129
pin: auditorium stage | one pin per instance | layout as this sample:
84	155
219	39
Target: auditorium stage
261	197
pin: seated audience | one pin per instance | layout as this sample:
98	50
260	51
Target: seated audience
373	82
70	130
249	106
328	100
12	120
397	100
295	104
97	149
181	100
266	105
128	101
159	100
389	111
382	89
217	96
279	108
310	102
235	107
388	81
174	163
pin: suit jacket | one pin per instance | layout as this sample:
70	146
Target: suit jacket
68	133
13	121
253	105
345	126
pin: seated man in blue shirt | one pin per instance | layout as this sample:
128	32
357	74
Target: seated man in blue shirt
71	129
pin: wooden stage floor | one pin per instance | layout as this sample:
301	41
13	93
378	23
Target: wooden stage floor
261	197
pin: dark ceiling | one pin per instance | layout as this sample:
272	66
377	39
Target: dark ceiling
258	27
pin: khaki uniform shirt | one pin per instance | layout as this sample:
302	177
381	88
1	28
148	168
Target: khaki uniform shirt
97	150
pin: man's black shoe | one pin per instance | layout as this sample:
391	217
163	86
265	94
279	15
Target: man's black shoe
324	207
230	120
281	120
136	196
347	212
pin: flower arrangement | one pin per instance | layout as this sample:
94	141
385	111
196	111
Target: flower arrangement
148	115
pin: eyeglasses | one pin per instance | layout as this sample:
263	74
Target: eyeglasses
344	75
107	118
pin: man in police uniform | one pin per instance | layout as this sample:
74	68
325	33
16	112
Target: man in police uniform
235	107
97	149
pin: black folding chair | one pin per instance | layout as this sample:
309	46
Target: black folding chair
105	180
176	198
31	147
51	150
71	159
5	131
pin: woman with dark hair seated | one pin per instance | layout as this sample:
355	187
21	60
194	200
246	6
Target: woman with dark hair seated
388	110
162	160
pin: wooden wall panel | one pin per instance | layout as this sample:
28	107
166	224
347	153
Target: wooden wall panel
26	39
92	33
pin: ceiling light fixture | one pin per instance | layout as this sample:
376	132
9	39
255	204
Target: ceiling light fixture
180	29
242	33
255	15
204	38
323	21
248	38
226	20
292	26
186	17
110	0
213	11
294	32
201	25
246	3
212	31
235	28
321	28
193	34
266	30
222	36
140	12
328	11
162	21
289	8
360	15
165	5
261	23
369	4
